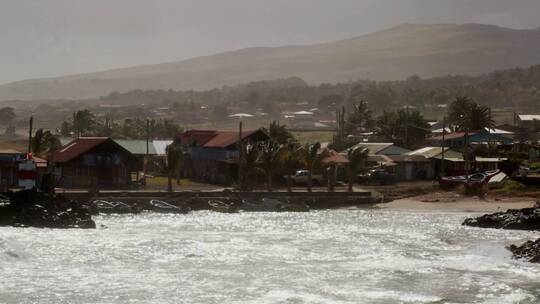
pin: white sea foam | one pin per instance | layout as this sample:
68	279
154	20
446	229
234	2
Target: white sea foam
338	256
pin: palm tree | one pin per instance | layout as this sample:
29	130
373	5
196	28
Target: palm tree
291	160
174	157
357	159
43	142
279	133
466	114
360	118
478	118
269	160
387	125
311	159
458	110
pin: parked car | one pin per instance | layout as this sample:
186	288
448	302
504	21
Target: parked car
301	177
377	176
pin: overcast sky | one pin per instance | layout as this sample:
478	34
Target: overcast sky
41	38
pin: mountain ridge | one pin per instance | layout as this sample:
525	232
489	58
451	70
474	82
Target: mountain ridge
426	50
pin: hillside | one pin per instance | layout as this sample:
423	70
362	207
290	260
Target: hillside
396	53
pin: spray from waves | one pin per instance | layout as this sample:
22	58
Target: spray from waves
11	249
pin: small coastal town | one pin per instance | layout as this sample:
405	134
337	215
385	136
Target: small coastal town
242	151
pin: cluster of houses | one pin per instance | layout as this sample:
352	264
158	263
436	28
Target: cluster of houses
102	162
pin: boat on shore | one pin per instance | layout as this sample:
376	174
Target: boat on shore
164	207
472	180
223	207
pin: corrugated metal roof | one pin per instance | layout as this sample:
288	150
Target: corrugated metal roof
408	159
381	148
213	138
528	117
136	146
431	152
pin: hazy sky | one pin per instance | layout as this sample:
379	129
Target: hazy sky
41	38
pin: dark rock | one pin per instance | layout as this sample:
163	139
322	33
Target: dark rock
516	219
529	251
34	209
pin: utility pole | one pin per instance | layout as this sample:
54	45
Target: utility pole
30	134
240	152
443	143
147	150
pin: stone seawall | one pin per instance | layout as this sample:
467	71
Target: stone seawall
197	200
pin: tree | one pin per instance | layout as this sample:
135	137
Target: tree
357	160
65	129
174	157
7	114
291	161
269	160
394	126
83	121
279	133
43	142
10	130
465	114
360	119
312	158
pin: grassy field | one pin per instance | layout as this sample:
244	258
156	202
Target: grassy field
315	136
160	182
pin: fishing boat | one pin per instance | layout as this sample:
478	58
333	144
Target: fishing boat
164	207
475	179
223	207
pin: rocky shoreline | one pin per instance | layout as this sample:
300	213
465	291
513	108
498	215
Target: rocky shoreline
34	209
529	251
514	219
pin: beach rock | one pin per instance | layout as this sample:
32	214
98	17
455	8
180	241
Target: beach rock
529	251
51	212
516	219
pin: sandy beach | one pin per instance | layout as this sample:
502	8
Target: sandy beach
449	201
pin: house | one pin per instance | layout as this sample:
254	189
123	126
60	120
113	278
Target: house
156	151
452	162
456	140
214	153
528	121
411	167
88	162
381	148
9	167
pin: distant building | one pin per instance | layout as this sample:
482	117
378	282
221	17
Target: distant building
9	167
456	140
214	154
528	121
94	162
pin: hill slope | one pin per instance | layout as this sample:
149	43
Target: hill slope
396	53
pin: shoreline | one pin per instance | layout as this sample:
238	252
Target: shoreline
451	201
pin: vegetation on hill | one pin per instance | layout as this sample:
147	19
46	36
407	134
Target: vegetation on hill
396	53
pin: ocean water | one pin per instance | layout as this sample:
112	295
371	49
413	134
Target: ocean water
335	256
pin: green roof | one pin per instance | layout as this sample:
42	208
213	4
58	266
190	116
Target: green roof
136	146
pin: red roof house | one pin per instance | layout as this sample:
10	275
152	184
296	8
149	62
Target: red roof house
94	162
